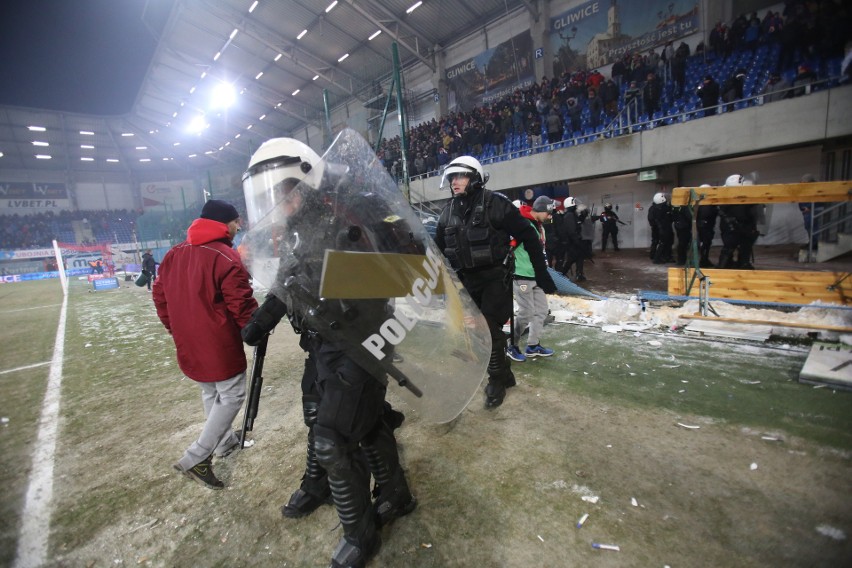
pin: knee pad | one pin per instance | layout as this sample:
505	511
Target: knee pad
310	409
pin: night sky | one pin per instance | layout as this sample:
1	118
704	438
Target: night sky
85	56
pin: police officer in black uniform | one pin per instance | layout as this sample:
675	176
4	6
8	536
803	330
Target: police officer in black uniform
474	232
610	221
662	234
343	399
705	220
738	225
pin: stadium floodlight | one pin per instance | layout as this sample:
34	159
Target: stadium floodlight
223	96
36	128
198	124
414	7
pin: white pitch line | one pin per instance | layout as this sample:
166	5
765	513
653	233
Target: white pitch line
25	367
35	523
28	309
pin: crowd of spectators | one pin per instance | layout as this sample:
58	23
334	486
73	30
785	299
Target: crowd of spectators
802	36
38	230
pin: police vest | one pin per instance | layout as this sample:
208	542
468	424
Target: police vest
471	241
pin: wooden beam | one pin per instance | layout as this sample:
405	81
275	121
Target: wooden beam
782	286
838	328
825	191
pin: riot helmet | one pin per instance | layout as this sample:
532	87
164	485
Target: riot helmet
608	206
569	202
660	198
734	179
581	208
466	166
275	169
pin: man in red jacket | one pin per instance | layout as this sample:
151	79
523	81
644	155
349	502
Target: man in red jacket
203	297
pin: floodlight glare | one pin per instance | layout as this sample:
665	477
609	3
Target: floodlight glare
198	124
223	96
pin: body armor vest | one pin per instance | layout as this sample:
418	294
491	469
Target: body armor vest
471	240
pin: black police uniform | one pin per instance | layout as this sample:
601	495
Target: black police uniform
343	402
473	232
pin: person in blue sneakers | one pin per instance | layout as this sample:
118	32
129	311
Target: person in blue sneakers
531	299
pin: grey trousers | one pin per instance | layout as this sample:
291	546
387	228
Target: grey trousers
222	401
532	310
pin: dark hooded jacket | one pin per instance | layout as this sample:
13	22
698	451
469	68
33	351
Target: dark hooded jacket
203	297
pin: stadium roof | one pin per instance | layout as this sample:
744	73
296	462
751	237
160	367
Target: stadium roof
278	55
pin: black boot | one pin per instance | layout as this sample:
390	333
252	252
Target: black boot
393	499
349	481
314	490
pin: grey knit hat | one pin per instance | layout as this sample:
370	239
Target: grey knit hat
543	204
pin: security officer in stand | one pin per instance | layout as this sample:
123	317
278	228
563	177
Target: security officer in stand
474	232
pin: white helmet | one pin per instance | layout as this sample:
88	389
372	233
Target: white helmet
659	198
569	202
274	170
469	166
734	179
705	185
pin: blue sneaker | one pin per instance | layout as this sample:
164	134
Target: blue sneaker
513	353
538	351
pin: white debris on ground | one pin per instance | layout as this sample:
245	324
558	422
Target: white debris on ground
632	314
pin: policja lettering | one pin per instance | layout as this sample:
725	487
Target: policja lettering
394	329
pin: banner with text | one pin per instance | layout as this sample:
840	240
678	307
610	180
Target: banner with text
596	33
170	196
491	75
23	198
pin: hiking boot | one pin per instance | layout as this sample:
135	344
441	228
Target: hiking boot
355	555
537	351
303	503
513	353
202	473
494	395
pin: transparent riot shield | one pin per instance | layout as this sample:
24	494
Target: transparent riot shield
353	263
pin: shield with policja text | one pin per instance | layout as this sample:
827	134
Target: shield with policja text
350	258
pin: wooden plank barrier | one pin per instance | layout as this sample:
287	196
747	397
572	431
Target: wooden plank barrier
781	286
825	191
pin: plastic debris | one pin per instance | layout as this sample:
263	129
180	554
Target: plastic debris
599	546
831	532
634	502
539	537
582	520
655	343
590	498
425	545
612	328
753	466
4	420
689	426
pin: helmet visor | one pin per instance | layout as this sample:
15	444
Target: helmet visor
271	183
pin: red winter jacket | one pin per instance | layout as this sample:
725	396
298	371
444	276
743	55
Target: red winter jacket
203	297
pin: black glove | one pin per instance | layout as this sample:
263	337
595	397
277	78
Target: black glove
545	282
263	320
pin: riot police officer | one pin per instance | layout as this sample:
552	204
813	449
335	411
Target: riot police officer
662	235
705	216
738	225
474	232
343	402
